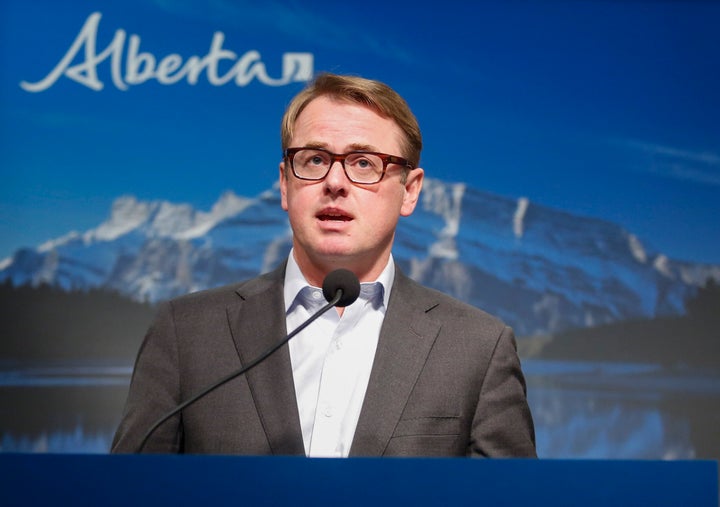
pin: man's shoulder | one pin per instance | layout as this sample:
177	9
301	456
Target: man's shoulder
229	293
441	305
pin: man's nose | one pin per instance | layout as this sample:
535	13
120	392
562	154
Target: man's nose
336	178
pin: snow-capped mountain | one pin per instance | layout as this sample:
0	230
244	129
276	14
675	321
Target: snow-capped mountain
540	269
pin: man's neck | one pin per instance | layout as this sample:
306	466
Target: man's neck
315	272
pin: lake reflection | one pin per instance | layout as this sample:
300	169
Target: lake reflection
581	410
61	408
594	410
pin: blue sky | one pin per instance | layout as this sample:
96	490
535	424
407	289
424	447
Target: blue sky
605	109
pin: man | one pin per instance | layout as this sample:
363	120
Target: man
403	371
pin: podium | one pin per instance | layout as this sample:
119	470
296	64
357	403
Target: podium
124	480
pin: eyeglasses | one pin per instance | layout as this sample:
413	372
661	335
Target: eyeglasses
363	167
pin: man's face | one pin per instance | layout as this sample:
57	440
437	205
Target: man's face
335	222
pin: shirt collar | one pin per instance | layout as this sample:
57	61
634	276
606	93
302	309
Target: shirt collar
295	281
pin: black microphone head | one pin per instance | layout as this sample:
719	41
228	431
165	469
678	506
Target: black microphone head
344	280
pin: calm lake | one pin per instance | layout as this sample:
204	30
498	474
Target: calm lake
581	409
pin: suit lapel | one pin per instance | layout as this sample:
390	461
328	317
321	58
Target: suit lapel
256	325
406	338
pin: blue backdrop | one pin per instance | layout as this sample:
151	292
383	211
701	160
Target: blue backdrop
580	139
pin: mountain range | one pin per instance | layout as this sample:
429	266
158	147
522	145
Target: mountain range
540	269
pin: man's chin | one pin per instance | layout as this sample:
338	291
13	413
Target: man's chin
335	256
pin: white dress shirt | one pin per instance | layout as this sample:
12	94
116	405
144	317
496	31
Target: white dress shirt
332	358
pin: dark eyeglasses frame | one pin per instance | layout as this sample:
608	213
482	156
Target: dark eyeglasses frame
289	155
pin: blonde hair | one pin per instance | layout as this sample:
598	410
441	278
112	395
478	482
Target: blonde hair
376	95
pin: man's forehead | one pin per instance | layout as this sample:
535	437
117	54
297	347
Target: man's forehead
334	124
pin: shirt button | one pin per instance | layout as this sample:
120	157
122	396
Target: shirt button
316	295
328	412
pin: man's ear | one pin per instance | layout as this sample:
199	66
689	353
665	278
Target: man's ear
283	186
413	186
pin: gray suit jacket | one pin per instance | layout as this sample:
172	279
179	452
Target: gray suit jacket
446	380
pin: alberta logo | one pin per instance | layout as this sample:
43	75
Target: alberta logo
140	67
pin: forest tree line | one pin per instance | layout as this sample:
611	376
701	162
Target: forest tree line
692	339
46	323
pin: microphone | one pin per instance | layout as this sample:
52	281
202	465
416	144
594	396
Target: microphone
346	282
340	288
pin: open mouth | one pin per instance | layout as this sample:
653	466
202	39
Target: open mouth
334	217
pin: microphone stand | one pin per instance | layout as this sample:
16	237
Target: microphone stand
338	296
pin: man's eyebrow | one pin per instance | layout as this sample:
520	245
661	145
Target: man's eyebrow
362	147
316	145
351	147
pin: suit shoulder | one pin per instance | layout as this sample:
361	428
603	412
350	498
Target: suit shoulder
227	293
445	307
208	296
